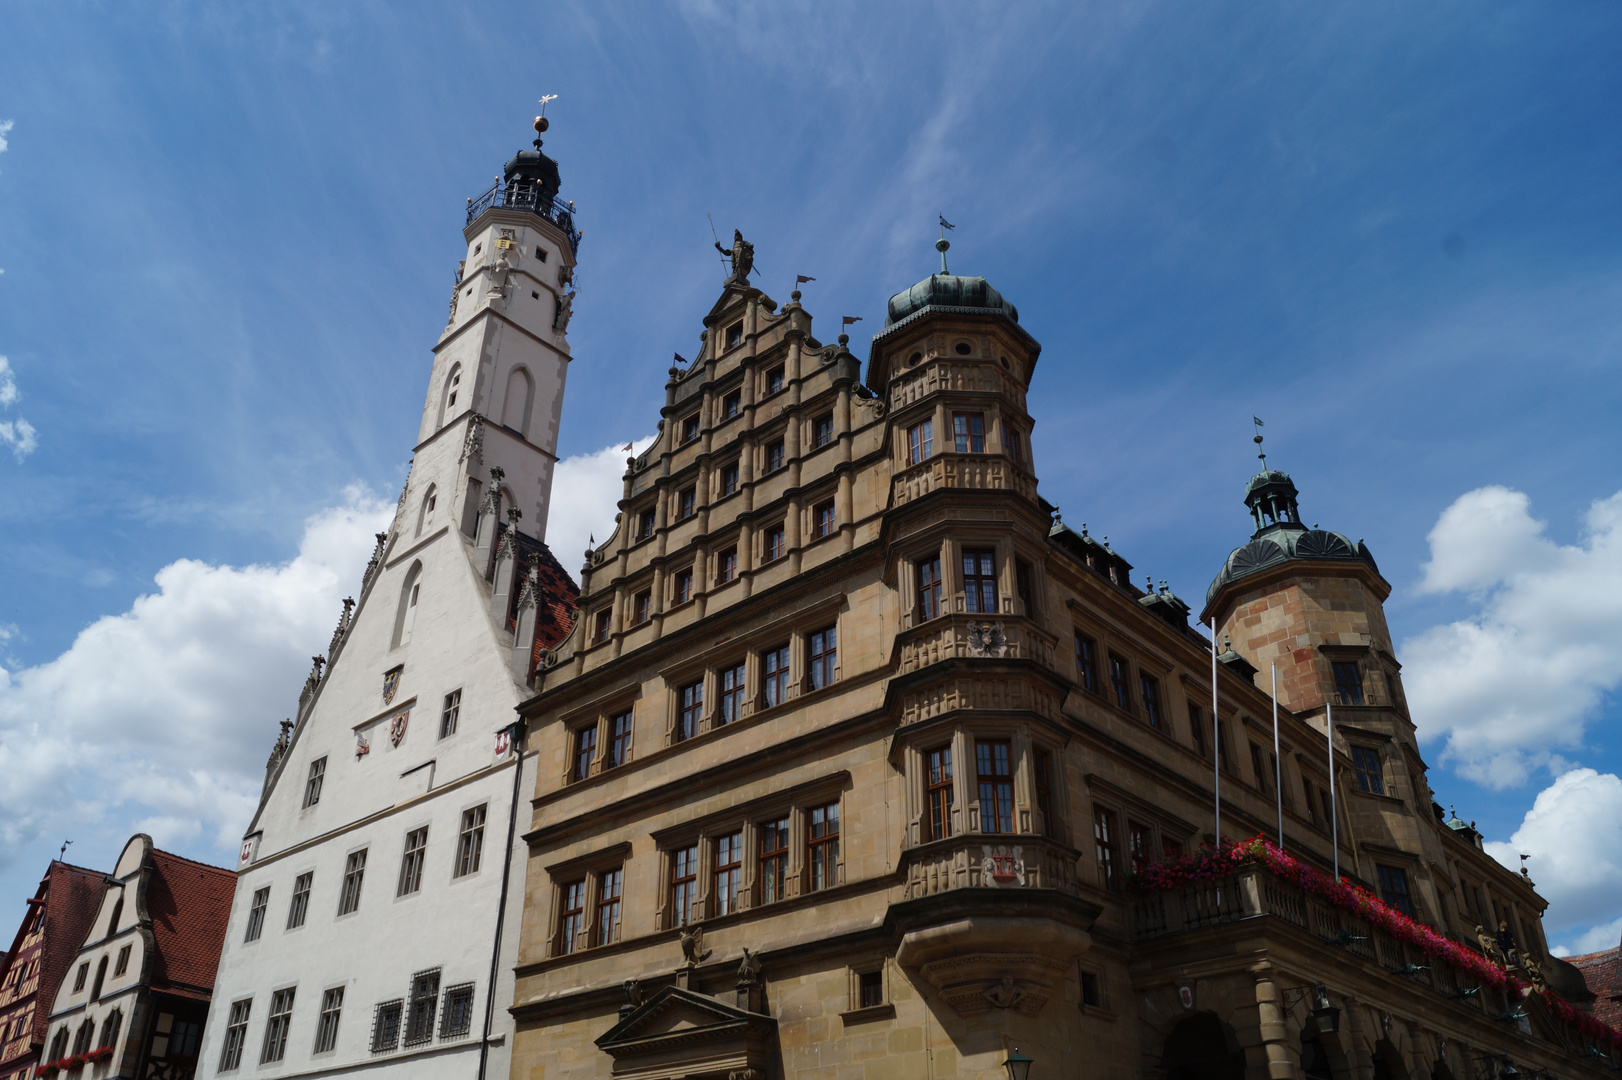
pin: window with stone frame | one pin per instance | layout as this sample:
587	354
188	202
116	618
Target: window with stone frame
256	914
938	793
314	782
682	590
727	875
274	1047
571	916
732	681
354	878
236	1034
110	1026
683	885
822	430
969	433
1105	843
689	710
870	988
1120	680
119	968
456	1018
1264	778
929	588
773	849
689	428
610	886
602	622
686	503
774	456
994	775
1196	731
1042	768
1348	682
822	516
644	524
1024	587
1149	691
1087	662
822	649
774	544
920	441
584	752
727	482
980	581
326	1032
1394	889
470	842
1224	760
450	714
299	906
1370	772
774	381
83	1037
411	860
822	846
775	667
1013	444
726	565
642	607
82	975
734	335
386	1026
731	404
619	740
1140	845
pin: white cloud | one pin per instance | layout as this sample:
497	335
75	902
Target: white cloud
5	129
586	490
161	717
1520	679
1574	834
18	434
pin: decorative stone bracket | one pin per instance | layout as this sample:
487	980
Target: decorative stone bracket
983	962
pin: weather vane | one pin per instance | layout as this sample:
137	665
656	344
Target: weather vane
1258	440
541	123
942	244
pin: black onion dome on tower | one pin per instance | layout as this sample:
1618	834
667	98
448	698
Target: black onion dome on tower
531	167
951	294
1280	537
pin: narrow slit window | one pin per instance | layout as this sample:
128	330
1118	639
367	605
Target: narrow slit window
938	794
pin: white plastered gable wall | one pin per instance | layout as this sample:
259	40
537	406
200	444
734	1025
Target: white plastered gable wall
382	778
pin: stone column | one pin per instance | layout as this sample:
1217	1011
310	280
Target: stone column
1282	1062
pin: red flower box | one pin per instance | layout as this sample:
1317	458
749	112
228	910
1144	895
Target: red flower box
1209	864
101	1053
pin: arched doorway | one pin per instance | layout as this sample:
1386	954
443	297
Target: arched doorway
1388	1062
1202	1047
1314	1056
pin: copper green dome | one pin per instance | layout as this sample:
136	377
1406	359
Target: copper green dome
951	294
1280	537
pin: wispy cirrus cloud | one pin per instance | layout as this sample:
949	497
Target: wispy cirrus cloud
18	434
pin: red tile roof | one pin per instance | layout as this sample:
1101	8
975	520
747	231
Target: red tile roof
189	904
72	897
1603	973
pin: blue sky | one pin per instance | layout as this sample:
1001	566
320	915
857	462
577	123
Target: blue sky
1393	231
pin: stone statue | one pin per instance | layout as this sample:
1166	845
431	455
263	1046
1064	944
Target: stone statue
565	311
692	945
749	969
1506	944
633	992
1488	945
742	256
1534	974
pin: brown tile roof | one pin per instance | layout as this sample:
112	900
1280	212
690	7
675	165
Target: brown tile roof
189	904
72	897
1603	973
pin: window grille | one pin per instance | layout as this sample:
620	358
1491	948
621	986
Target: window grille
1087	663
726	566
457	1017
386	1026
822	430
1348	683
424	1007
1394	889
775	543
1149	688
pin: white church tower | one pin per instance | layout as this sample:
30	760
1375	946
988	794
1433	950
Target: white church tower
375	921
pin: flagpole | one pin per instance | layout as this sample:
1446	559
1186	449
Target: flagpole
1216	737
1278	765
1334	828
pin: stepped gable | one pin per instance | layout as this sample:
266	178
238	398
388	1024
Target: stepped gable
189	904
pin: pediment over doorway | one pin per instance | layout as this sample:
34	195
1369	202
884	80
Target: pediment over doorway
684	1034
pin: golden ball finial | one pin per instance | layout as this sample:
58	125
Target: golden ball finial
541	125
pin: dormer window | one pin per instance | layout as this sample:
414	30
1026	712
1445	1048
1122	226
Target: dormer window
734	335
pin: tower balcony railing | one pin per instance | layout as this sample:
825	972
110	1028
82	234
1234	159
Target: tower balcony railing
963	634
953	375
990	860
972	472
531	199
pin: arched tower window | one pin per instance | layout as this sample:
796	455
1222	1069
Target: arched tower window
520	397
410	592
118	912
101	977
425	513
453	394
